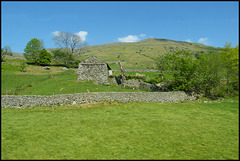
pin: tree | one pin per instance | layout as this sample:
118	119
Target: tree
2	55
60	57
6	50
209	73
231	64
64	58
32	50
44	57
199	75
181	67
71	43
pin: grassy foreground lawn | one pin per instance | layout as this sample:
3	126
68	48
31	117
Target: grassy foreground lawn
190	130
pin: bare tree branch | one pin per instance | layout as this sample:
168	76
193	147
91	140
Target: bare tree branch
70	42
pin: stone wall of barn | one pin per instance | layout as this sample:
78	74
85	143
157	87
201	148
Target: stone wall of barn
93	72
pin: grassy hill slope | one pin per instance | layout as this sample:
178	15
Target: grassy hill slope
142	54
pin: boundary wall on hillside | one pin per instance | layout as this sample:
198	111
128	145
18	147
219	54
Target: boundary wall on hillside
19	101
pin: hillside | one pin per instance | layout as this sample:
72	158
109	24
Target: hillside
140	54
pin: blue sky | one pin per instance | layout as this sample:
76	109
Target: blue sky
210	23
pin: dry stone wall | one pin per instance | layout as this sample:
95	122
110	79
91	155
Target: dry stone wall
20	101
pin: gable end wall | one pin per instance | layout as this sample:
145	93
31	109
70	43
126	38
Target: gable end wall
93	72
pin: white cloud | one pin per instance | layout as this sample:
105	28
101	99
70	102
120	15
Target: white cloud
188	40
82	34
203	41
142	35
55	33
129	38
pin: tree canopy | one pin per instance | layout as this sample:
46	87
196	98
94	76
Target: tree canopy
33	49
203	74
36	54
70	42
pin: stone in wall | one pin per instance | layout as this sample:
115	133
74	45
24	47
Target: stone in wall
134	83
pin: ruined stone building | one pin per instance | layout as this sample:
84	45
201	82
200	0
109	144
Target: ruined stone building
94	69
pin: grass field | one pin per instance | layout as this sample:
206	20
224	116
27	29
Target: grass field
112	130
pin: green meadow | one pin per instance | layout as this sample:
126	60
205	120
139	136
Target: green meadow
38	81
113	130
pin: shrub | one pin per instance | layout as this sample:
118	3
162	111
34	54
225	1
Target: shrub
111	76
44	58
64	58
135	77
157	79
23	67
218	91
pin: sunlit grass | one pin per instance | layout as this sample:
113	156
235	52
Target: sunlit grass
38	81
115	130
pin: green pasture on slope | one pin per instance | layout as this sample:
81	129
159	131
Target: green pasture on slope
37	81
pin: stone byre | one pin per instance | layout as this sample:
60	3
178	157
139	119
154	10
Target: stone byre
93	69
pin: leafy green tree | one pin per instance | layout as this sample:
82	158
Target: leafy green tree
44	57
181	67
32	50
191	74
209	73
231	64
60	57
63	58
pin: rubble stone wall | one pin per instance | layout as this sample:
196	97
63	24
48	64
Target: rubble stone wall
93	72
19	101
